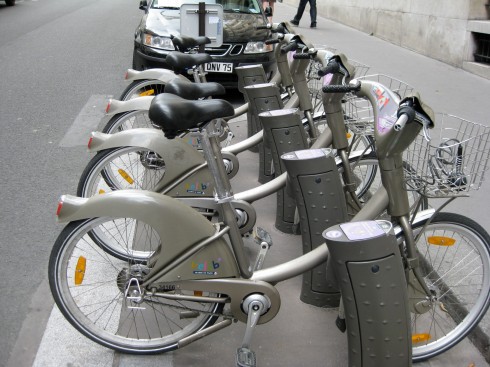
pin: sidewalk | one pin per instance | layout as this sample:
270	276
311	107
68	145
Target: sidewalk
302	334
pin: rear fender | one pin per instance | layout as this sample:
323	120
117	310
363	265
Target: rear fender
163	75
136	104
179	156
179	226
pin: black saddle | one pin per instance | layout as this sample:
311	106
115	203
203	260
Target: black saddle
184	43
180	61
188	90
174	114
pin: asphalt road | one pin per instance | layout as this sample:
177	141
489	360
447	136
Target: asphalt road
55	56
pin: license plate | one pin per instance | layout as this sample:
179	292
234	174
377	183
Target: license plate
219	67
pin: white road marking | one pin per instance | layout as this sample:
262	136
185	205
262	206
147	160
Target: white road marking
86	121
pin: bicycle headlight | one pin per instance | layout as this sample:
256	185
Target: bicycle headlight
257	48
160	42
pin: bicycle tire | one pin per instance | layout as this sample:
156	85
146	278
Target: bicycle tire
454	314
121	168
91	297
127	120
142	87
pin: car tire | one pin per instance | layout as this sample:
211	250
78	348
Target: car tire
10	2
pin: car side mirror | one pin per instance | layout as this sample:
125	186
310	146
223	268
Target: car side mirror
268	12
143	5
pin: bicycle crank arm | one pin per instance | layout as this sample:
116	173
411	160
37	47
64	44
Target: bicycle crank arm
237	290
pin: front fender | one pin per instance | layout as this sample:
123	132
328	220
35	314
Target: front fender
136	104
163	75
175	222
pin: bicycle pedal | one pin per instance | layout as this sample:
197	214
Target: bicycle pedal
261	235
341	324
245	357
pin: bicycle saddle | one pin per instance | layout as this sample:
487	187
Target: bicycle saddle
178	61
174	114
184	43
194	90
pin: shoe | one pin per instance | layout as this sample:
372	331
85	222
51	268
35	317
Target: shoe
294	22
313	25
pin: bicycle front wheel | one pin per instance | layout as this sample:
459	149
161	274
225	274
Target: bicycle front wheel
91	288
454	256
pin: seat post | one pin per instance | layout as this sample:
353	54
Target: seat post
224	196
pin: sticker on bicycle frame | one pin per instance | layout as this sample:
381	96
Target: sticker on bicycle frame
206	267
386	109
327	79
198	188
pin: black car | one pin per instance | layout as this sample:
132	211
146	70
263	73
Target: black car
243	44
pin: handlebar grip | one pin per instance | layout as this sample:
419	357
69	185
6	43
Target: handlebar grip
340	88
332	68
262	27
289	47
301	56
271	42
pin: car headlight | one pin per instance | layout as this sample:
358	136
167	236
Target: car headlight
163	43
257	48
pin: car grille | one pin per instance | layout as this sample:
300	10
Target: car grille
222	50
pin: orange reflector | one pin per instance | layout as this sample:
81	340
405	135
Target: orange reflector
349	135
198	293
419	338
441	241
80	270
101	191
149	92
125	176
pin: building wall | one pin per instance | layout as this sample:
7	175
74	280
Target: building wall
435	28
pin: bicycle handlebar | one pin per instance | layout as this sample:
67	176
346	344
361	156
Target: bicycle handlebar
341	88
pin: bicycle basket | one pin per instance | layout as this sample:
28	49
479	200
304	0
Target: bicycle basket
452	163
358	111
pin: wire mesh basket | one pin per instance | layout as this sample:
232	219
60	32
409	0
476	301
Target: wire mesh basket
358	111
452	163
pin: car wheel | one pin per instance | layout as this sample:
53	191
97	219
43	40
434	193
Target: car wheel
10	2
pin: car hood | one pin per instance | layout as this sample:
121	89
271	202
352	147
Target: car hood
236	27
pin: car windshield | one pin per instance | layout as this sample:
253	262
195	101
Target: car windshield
234	6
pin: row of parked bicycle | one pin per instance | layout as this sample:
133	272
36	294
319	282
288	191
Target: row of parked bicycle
153	258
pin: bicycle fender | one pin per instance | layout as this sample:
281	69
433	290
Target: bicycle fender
178	225
179	157
163	75
116	106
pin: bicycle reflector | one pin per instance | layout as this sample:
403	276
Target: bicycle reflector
149	92
108	107
60	205
89	142
441	241
125	175
420	338
80	270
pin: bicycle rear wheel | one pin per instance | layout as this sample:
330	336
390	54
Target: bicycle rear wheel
454	256
89	286
142	88
119	169
127	120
